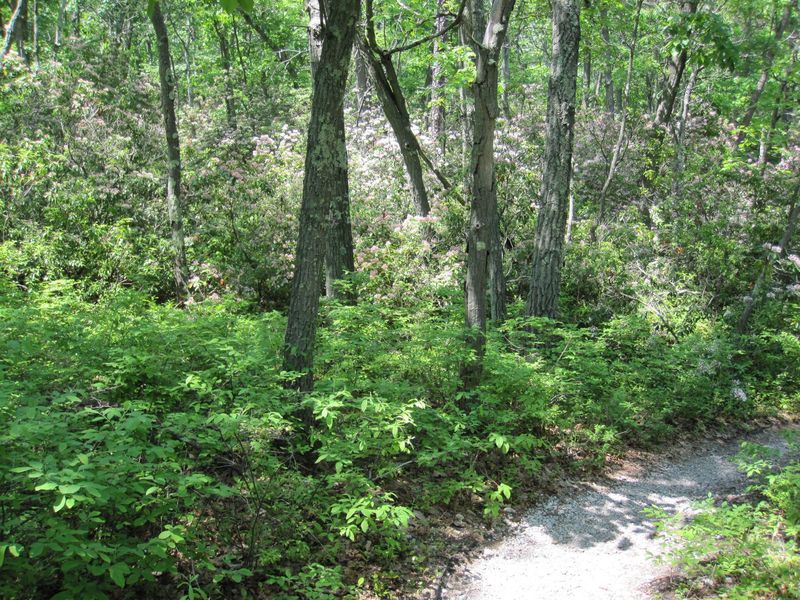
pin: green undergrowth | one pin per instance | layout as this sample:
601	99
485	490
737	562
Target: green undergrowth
147	451
744	549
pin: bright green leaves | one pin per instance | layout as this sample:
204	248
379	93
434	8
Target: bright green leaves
117	572
13	550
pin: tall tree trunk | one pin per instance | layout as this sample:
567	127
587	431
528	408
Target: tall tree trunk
680	142
225	57
769	57
548	247
362	78
608	73
617	152
766	267
437	83
174	208
339	241
13	25
484	249
57	40
37	62
393	103
587	63
507	78
325	163
676	67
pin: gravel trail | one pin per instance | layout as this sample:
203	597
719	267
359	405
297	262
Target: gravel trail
595	543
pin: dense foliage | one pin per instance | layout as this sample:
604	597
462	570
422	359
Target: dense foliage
156	449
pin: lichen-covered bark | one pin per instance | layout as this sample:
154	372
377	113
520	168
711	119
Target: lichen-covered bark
548	247
339	241
484	256
325	162
174	208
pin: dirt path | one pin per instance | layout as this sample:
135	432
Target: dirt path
595	544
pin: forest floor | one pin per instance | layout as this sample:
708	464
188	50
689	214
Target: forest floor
592	541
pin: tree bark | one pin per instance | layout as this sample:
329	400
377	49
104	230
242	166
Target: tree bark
769	58
548	248
325	163
680	142
57	40
484	250
437	83
608	74
13	26
36	33
339	241
664	110
617	152
174	208
225	57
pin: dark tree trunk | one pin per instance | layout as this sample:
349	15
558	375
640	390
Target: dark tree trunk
167	82
548	248
14	25
769	58
608	74
680	138
437	83
393	103
761	281
484	250
339	242
652	159
507	78
623	107
325	163
225	56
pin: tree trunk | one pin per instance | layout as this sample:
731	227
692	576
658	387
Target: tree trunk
13	25
587	63
766	267
769	58
507	78
608	74
680	142
57	41
652	159
339	241
548	248
484	249
167	82
437	83
225	56
37	62
325	163
362	78
623	107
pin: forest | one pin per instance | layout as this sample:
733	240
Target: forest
302	299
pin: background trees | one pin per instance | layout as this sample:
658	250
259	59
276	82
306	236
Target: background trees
435	179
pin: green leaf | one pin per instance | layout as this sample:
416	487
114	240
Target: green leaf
230	5
69	489
45	487
14	550
246	5
117	572
60	505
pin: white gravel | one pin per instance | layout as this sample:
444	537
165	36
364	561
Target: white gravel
595	543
